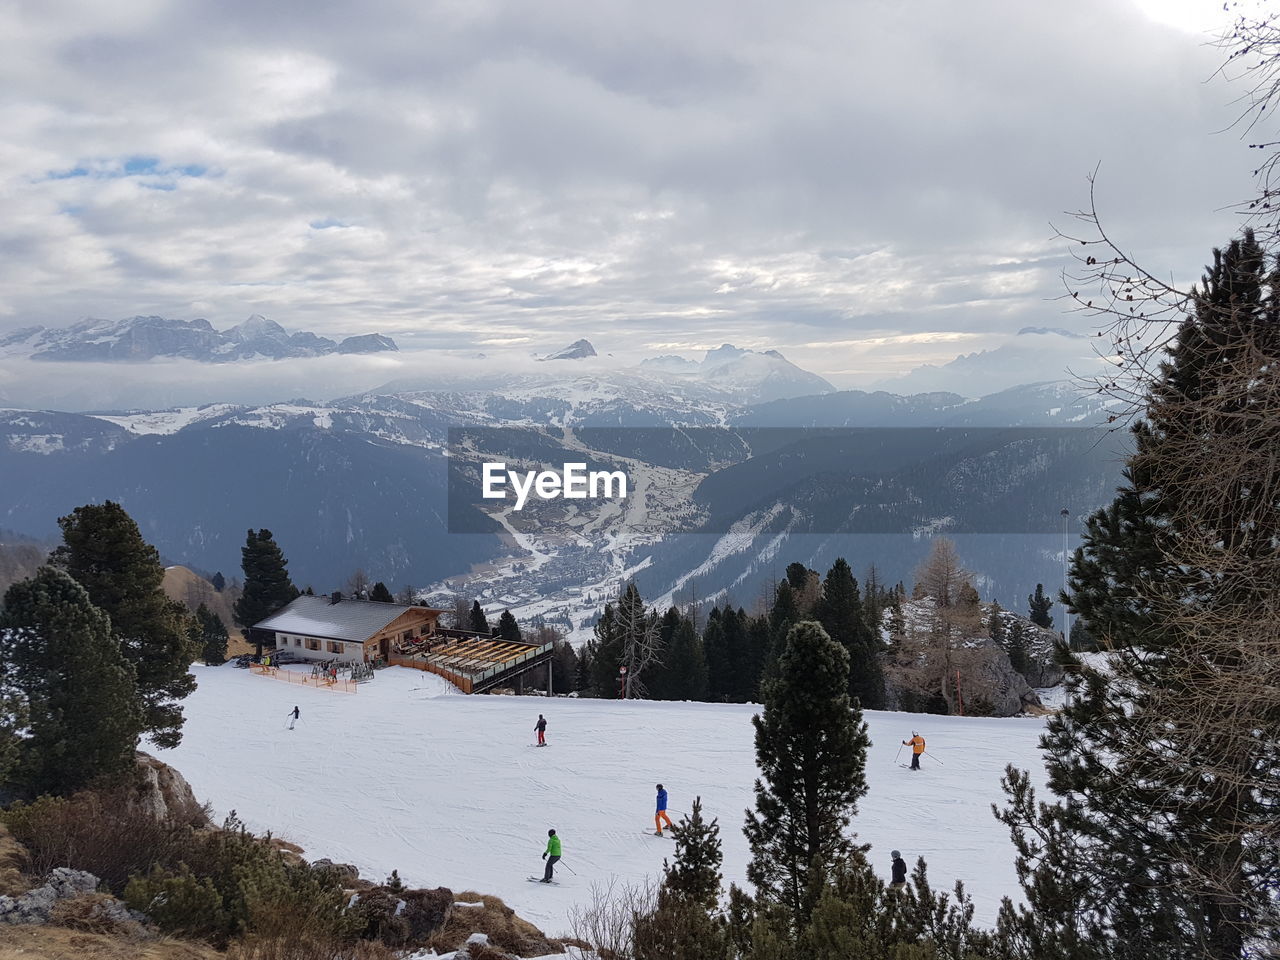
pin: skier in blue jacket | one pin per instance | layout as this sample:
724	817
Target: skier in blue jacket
661	815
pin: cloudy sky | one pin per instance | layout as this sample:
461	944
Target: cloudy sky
865	185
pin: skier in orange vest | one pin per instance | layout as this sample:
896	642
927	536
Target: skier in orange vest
916	743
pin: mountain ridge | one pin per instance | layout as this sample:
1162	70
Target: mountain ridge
141	337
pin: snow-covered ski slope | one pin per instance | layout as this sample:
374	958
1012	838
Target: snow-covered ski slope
448	789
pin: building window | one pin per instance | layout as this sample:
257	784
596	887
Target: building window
313	644
335	647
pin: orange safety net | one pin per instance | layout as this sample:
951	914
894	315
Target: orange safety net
323	681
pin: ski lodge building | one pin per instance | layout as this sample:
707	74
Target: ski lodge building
370	631
355	631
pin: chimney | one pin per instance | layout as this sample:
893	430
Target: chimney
335	597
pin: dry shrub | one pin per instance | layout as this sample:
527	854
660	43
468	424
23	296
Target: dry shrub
102	832
43	942
15	864
96	913
309	947
608	921
505	930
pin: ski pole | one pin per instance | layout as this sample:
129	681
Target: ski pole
899	755
569	868
932	757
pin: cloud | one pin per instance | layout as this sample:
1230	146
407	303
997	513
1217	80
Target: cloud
462	174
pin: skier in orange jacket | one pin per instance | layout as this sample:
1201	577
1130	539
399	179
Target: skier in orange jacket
916	743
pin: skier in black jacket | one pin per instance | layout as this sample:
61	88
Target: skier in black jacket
541	727
899	872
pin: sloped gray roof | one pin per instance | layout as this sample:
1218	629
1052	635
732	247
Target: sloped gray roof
352	620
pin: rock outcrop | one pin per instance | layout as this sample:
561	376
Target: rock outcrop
36	905
164	793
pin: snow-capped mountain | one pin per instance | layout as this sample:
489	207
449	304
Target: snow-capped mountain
748	375
144	338
1059	402
1034	354
577	350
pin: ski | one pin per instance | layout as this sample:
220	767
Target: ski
659	836
550	883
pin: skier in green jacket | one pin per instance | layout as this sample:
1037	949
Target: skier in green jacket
551	855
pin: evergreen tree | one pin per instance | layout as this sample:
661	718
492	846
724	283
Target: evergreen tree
381	594
798	576
1040	605
841	615
784	614
663	680
695	875
874	601
508	629
811	747
104	552
1165	842
715	645
211	636
267	586
564	667
219	581
684	664
759	650
478	622
585	678
603	654
739	682
83	713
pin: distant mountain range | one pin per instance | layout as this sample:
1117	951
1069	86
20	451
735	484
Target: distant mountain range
727	492
1034	354
146	338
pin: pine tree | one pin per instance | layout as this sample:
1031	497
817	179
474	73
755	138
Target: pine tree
756	661
267	586
695	875
564	666
584	681
212	636
1040	605
664	679
715	645
219	581
811	747
1165	840
508	629
740	681
603	655
381	594
104	552
684	668
478	622
841	615
83	711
